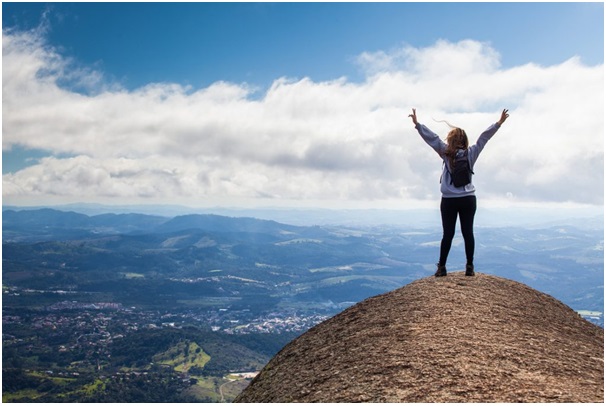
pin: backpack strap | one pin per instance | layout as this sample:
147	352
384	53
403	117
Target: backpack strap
469	163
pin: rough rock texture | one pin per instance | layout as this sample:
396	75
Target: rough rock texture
451	339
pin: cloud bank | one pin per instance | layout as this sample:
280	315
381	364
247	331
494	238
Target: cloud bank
300	140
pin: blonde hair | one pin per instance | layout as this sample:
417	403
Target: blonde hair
455	140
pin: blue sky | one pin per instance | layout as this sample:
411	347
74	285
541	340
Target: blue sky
201	43
119	87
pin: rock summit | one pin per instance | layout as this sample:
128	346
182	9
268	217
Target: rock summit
450	339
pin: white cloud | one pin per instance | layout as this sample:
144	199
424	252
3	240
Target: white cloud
303	140
444	60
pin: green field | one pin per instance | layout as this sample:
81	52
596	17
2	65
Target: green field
183	356
186	355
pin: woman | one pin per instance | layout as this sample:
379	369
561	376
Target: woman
456	201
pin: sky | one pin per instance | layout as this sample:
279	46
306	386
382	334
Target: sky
298	104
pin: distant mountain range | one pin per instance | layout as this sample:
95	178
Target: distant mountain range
306	216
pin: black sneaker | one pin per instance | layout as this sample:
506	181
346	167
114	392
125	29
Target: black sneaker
441	271
469	270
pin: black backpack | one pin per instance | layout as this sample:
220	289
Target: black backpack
461	173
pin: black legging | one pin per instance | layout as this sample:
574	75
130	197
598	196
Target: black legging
465	208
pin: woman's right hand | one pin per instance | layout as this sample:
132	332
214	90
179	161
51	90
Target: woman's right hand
504	116
414	116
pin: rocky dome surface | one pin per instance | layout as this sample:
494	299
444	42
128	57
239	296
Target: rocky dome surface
450	339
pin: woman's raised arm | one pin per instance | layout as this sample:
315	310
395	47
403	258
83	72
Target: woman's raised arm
428	136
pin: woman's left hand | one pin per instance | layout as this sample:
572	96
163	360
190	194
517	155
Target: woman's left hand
414	116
